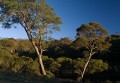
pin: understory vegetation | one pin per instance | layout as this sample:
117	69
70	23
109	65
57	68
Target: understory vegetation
61	60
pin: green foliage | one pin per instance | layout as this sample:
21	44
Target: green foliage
50	74
47	61
5	59
91	30
66	69
80	42
25	46
78	65
92	36
61	67
36	17
30	12
54	68
59	48
9	44
39	20
95	66
65	41
17	64
114	56
24	64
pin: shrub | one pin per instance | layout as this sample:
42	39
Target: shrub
95	66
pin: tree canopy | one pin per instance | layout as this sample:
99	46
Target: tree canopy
93	37
35	16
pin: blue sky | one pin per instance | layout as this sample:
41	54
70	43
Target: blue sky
76	12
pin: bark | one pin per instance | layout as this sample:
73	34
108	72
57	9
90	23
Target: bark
39	53
42	69
37	49
90	55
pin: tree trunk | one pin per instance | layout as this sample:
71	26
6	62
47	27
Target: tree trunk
41	66
85	67
39	52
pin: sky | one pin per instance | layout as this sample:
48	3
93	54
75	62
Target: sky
73	14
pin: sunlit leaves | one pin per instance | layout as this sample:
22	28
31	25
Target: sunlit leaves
93	67
91	30
93	37
35	16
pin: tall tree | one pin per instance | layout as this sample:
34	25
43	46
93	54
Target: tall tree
93	37
35	16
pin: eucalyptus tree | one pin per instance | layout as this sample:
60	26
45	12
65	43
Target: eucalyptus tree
93	37
36	17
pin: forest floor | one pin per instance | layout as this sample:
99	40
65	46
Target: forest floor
8	77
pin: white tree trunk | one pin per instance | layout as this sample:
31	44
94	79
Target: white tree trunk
41	66
90	55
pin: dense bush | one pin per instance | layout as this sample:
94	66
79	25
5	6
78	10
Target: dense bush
17	59
17	64
5	59
61	67
95	66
